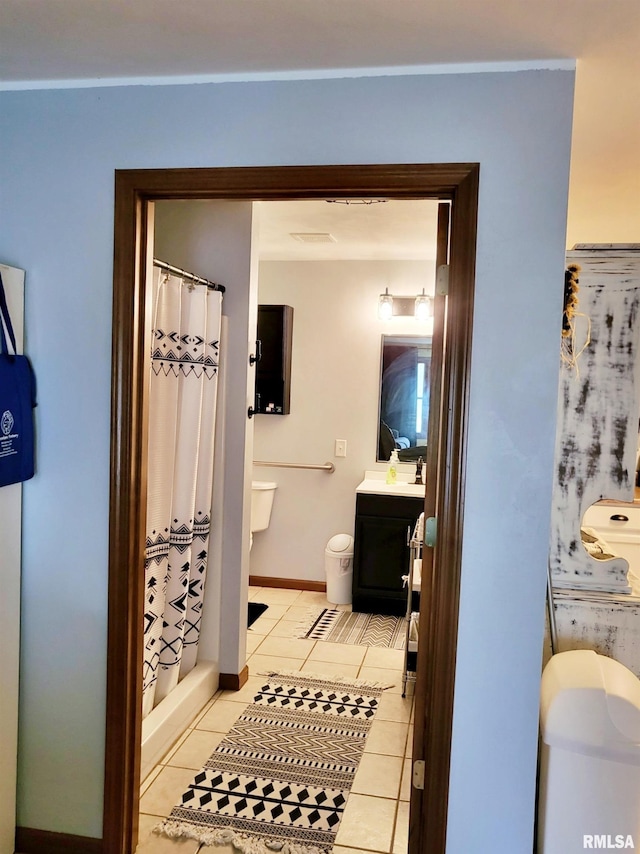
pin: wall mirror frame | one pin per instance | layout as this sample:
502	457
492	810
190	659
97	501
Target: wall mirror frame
403	396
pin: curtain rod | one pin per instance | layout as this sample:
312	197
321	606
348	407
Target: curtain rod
186	275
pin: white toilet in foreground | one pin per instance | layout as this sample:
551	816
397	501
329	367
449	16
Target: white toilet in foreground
262	492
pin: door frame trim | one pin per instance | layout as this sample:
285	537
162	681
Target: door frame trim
131	312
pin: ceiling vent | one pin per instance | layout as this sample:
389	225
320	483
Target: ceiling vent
313	237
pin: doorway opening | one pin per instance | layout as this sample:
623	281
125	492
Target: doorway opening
436	661
321	267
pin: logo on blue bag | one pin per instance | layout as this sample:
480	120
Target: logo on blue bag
7	422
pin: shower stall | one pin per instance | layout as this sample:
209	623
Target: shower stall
180	669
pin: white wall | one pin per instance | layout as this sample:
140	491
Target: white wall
60	149
605	168
214	240
335	377
10	540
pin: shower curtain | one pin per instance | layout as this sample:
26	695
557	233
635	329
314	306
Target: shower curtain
182	407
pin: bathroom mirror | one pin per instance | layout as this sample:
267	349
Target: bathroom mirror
404	397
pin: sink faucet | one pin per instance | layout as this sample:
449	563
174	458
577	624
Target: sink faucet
418	471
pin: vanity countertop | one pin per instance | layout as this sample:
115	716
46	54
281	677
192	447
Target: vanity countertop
375	483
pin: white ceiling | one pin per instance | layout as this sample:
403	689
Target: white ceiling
79	40
392	230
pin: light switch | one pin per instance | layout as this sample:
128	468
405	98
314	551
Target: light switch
341	448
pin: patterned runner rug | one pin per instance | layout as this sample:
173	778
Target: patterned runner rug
280	779
360	629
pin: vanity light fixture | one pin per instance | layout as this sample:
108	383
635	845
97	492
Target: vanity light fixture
420	307
385	305
424	307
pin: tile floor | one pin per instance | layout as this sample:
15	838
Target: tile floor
376	816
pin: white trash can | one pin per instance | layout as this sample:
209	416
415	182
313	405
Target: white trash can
338	566
589	794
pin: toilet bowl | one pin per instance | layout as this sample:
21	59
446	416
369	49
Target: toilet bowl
262	492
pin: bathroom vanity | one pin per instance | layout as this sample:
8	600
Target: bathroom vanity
386	515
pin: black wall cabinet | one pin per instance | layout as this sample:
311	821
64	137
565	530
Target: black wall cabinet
381	552
273	371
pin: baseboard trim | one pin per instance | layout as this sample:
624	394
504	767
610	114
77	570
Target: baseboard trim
31	841
287	583
234	681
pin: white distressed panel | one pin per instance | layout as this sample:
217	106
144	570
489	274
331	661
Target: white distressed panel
606	623
598	407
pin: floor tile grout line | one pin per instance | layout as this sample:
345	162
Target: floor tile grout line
395	823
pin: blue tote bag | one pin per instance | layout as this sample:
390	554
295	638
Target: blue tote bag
17	399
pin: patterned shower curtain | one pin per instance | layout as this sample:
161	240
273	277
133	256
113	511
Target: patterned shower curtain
182	408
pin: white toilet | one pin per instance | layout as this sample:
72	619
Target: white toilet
262	492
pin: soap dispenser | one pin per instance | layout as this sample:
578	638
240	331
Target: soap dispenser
392	470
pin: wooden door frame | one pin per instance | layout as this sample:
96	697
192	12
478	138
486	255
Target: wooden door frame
438	635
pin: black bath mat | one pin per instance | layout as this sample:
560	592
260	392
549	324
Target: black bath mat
255	610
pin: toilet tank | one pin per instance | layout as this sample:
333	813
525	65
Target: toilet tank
262	492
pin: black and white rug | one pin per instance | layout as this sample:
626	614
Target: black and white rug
281	777
361	629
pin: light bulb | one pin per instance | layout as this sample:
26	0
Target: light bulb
424	307
385	305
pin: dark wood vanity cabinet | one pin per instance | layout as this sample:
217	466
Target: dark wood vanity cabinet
381	551
273	370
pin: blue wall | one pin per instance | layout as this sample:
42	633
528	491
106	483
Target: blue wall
59	154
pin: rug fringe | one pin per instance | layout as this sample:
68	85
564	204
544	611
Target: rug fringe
304	625
225	836
327	677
